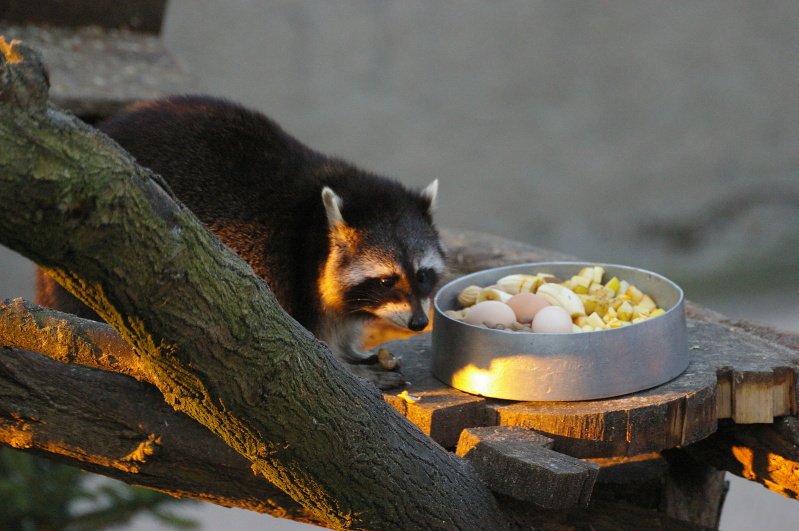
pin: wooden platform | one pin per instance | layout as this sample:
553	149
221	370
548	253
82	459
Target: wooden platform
96	72
734	373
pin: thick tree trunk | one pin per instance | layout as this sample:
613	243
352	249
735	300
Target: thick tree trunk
209	334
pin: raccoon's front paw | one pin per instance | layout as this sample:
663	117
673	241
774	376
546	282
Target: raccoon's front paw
380	377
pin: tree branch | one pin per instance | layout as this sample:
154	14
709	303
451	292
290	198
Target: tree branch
110	424
67	338
105	422
210	335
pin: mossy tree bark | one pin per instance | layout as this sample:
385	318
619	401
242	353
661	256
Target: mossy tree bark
208	333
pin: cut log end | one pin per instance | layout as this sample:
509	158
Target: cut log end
519	463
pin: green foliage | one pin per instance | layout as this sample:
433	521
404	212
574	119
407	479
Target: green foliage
40	495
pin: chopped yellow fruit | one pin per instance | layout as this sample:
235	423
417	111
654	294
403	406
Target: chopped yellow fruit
623	285
613	284
580	281
616	302
595	286
599	272
625	311
635	294
595	320
589	303
647	302
604	294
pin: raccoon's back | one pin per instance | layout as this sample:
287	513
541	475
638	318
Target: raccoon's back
238	172
218	157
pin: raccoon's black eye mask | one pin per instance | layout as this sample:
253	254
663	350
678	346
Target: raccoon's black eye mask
427	279
424	275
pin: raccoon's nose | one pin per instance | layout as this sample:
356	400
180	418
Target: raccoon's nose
418	322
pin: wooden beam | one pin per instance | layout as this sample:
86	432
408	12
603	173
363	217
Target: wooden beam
519	463
138	15
765	453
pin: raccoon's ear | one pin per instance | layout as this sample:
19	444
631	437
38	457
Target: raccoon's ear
332	207
431	194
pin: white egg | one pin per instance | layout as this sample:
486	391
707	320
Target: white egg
552	320
526	305
490	314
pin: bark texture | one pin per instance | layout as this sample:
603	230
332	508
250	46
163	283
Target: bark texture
113	425
209	334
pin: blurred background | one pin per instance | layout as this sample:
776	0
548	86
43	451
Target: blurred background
660	135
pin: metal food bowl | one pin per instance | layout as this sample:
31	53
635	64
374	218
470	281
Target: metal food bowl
561	367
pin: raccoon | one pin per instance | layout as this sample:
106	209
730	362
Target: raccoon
337	245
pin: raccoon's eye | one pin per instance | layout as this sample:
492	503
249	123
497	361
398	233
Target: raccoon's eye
389	282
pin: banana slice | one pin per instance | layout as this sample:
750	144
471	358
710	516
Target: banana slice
520	283
468	296
493	294
564	297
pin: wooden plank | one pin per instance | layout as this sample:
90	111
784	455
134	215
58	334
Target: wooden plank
765	453
692	490
517	462
138	15
95	73
724	396
752	397
756	376
443	415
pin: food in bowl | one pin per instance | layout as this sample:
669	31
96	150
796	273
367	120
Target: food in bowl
589	301
559	366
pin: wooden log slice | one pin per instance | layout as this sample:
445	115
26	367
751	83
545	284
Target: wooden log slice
676	413
756	375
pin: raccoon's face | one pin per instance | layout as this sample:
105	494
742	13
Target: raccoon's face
388	272
390	288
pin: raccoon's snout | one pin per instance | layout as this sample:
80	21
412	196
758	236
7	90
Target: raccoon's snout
404	315
418	323
419	316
